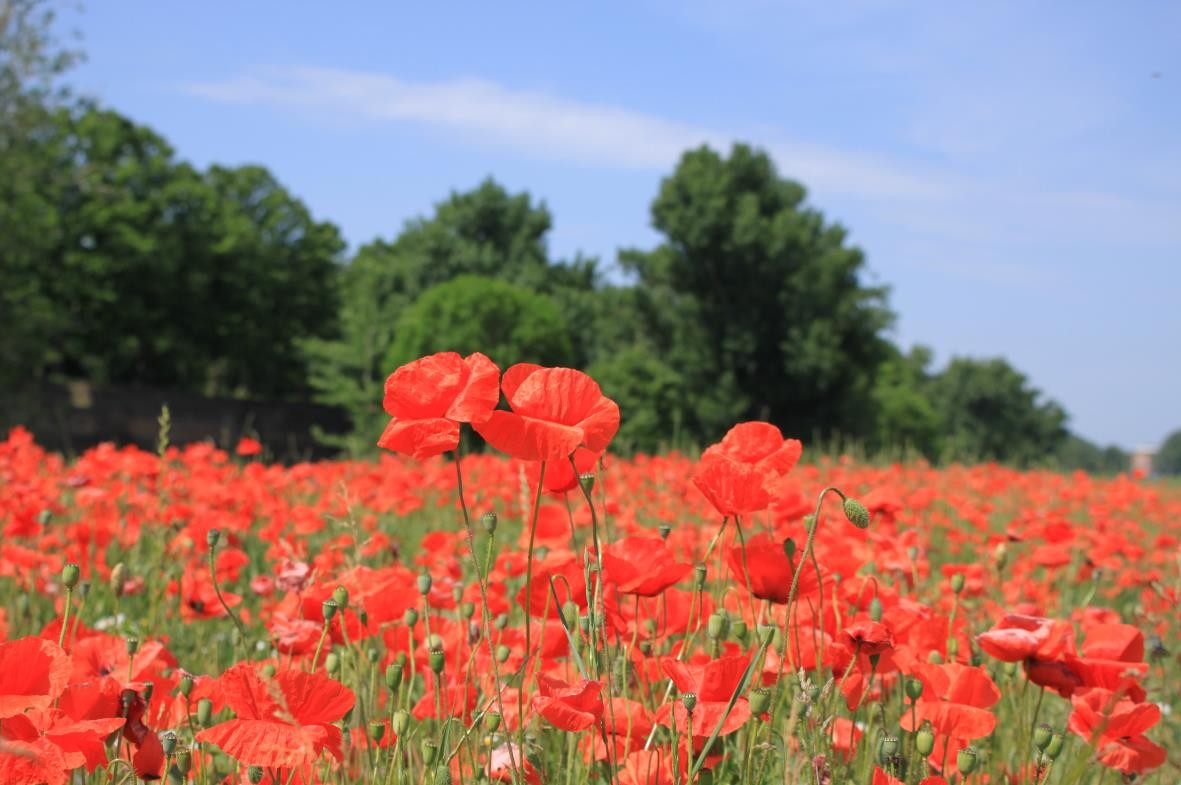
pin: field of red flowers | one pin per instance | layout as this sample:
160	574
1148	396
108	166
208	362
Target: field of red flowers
545	612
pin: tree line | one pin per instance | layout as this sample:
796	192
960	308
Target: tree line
122	263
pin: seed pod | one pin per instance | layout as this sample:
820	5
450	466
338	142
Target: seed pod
488	522
430	751
393	676
132	645
789	549
699	575
212	538
401	722
332	663
1042	735
341	595
377	730
664	529
760	700
739	630
186	685
255	774
957	582
328	610
914	689
410	617
168	742
924	742
467	610
443	776
183	760
269	670
70	575
204	711
502	653
501	621
437	661
717	627
424	583
689	701
492	721
587	481
888	747
965	761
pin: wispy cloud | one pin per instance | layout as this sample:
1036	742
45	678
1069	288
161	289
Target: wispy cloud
539	124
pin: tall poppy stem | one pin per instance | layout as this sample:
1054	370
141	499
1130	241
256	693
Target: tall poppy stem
528	604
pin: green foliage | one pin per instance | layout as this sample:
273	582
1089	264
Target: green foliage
906	417
472	313
990	412
652	397
1168	458
1078	453
790	332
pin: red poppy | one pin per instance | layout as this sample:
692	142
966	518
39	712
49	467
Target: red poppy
955	700
430	397
741	473
286	722
248	447
867	637
647	767
764	563
33	672
642	565
554	412
569	707
1042	644
1116	728
714	683
36	763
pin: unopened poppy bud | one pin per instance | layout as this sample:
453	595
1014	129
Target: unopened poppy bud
212	538
341	595
430	751
435	641
437	660
457	592
689	701
183	760
1042	735
646	647
424	583
739	629
875	609
132	645
328	610
957	582
186	685
953	648
269	670
789	549
502	653
204	711
492	721
1054	748
410	617
888	747
393	676
488	522
760	700
717	627
587	481
468	610
70	575
924	742
400	722
168	742
255	774
377	730
149	690
118	578
699	575
501	621
332	663
914	689
570	614
934	657
664	529
856	513
44	517
373	654
965	761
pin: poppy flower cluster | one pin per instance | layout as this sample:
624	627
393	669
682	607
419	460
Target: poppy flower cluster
543	610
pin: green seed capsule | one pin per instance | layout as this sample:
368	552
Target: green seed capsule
341	595
1054	748
430	751
401	722
875	609
689	701
328	610
269	670
437	661
957	582
664	530
914	689
502	653
488	522
717	627
70	575
332	663
393	676
924	742
965	761
204	711
424	584
699	575
760	701
492	721
377	730
168	742
1042	735
888	747
255	774
186	685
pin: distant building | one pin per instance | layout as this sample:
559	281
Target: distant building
1142	460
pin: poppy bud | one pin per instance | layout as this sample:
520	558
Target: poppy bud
664	529
118	578
924	742
400	722
44	517
492	721
377	730
373	655
760	700
501	621
587	481
1156	648
689	701
965	761
434	641
132	645
328	609
957	582
914	689
934	657
268	670
739	629
1010	669
341	595
149	690
393	676
410	617
875	609
443	776
204	711
332	663
1042	735
457	592
437	660
468	610
212	538
646	647
488	522
186	685
570	614
699	576
953	648
70	575
255	774
856	513
424	584
502	653
717	627
183	761
1054	748
888	747
430	751
789	549
168	742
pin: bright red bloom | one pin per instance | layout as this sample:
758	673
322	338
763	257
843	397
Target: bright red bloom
647	767
1042	644
248	447
554	412
955	700
569	707
36	763
1116	728
430	397
867	637
714	684
642	565
768	569
33	672
740	474
286	722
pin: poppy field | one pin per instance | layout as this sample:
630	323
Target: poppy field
543	611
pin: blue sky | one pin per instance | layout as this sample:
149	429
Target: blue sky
1012	170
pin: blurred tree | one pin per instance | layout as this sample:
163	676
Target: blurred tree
1078	453
788	329
990	412
906	417
1168	457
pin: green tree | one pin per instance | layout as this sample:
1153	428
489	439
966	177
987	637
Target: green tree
781	323
1168	458
990	412
905	415
1076	452
653	399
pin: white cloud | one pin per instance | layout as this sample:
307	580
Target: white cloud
543	125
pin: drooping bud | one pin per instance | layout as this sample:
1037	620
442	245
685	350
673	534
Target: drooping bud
739	630
953	648
856	513
328	610
70	575
957	582
502	653
699	576
1042	735
965	761
789	549
488	522
570	614
341	595
424	583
